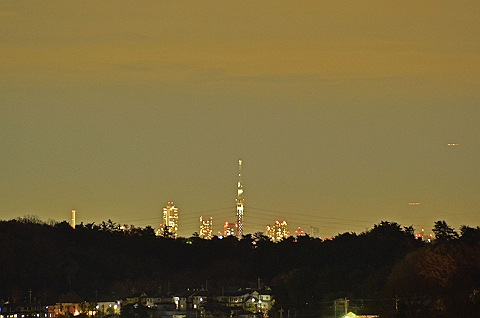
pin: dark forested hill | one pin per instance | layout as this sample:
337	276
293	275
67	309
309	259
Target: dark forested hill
90	262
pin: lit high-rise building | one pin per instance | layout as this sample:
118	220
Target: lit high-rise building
422	236
299	232
239	202
278	231
170	221
230	229
206	228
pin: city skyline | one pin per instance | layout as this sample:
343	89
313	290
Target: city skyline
344	114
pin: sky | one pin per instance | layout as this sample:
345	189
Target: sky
342	112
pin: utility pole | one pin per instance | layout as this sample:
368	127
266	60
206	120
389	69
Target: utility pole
346	306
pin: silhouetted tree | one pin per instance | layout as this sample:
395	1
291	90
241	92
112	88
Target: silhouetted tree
470	235
443	232
54	260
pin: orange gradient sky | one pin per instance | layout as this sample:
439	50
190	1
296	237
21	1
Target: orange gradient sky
340	110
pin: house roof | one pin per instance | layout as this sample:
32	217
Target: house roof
184	294
202	293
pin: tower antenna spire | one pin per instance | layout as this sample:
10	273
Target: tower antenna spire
239	202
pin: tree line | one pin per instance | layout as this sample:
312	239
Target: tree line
384	270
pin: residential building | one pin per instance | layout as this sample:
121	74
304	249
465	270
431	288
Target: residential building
108	308
23	310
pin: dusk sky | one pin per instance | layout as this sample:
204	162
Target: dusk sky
342	111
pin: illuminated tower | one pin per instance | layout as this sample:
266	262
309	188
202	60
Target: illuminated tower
170	220
206	228
73	219
239	202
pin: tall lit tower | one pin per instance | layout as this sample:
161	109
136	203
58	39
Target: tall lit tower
239	201
72	224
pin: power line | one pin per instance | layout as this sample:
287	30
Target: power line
308	216
257	218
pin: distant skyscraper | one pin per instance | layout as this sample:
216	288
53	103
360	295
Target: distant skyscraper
239	202
72	223
314	232
206	228
170	220
278	231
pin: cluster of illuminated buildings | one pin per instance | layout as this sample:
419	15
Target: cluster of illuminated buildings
276	232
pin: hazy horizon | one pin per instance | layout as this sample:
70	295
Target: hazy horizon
341	112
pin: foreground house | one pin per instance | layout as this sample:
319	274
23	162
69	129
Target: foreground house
22	310
236	302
